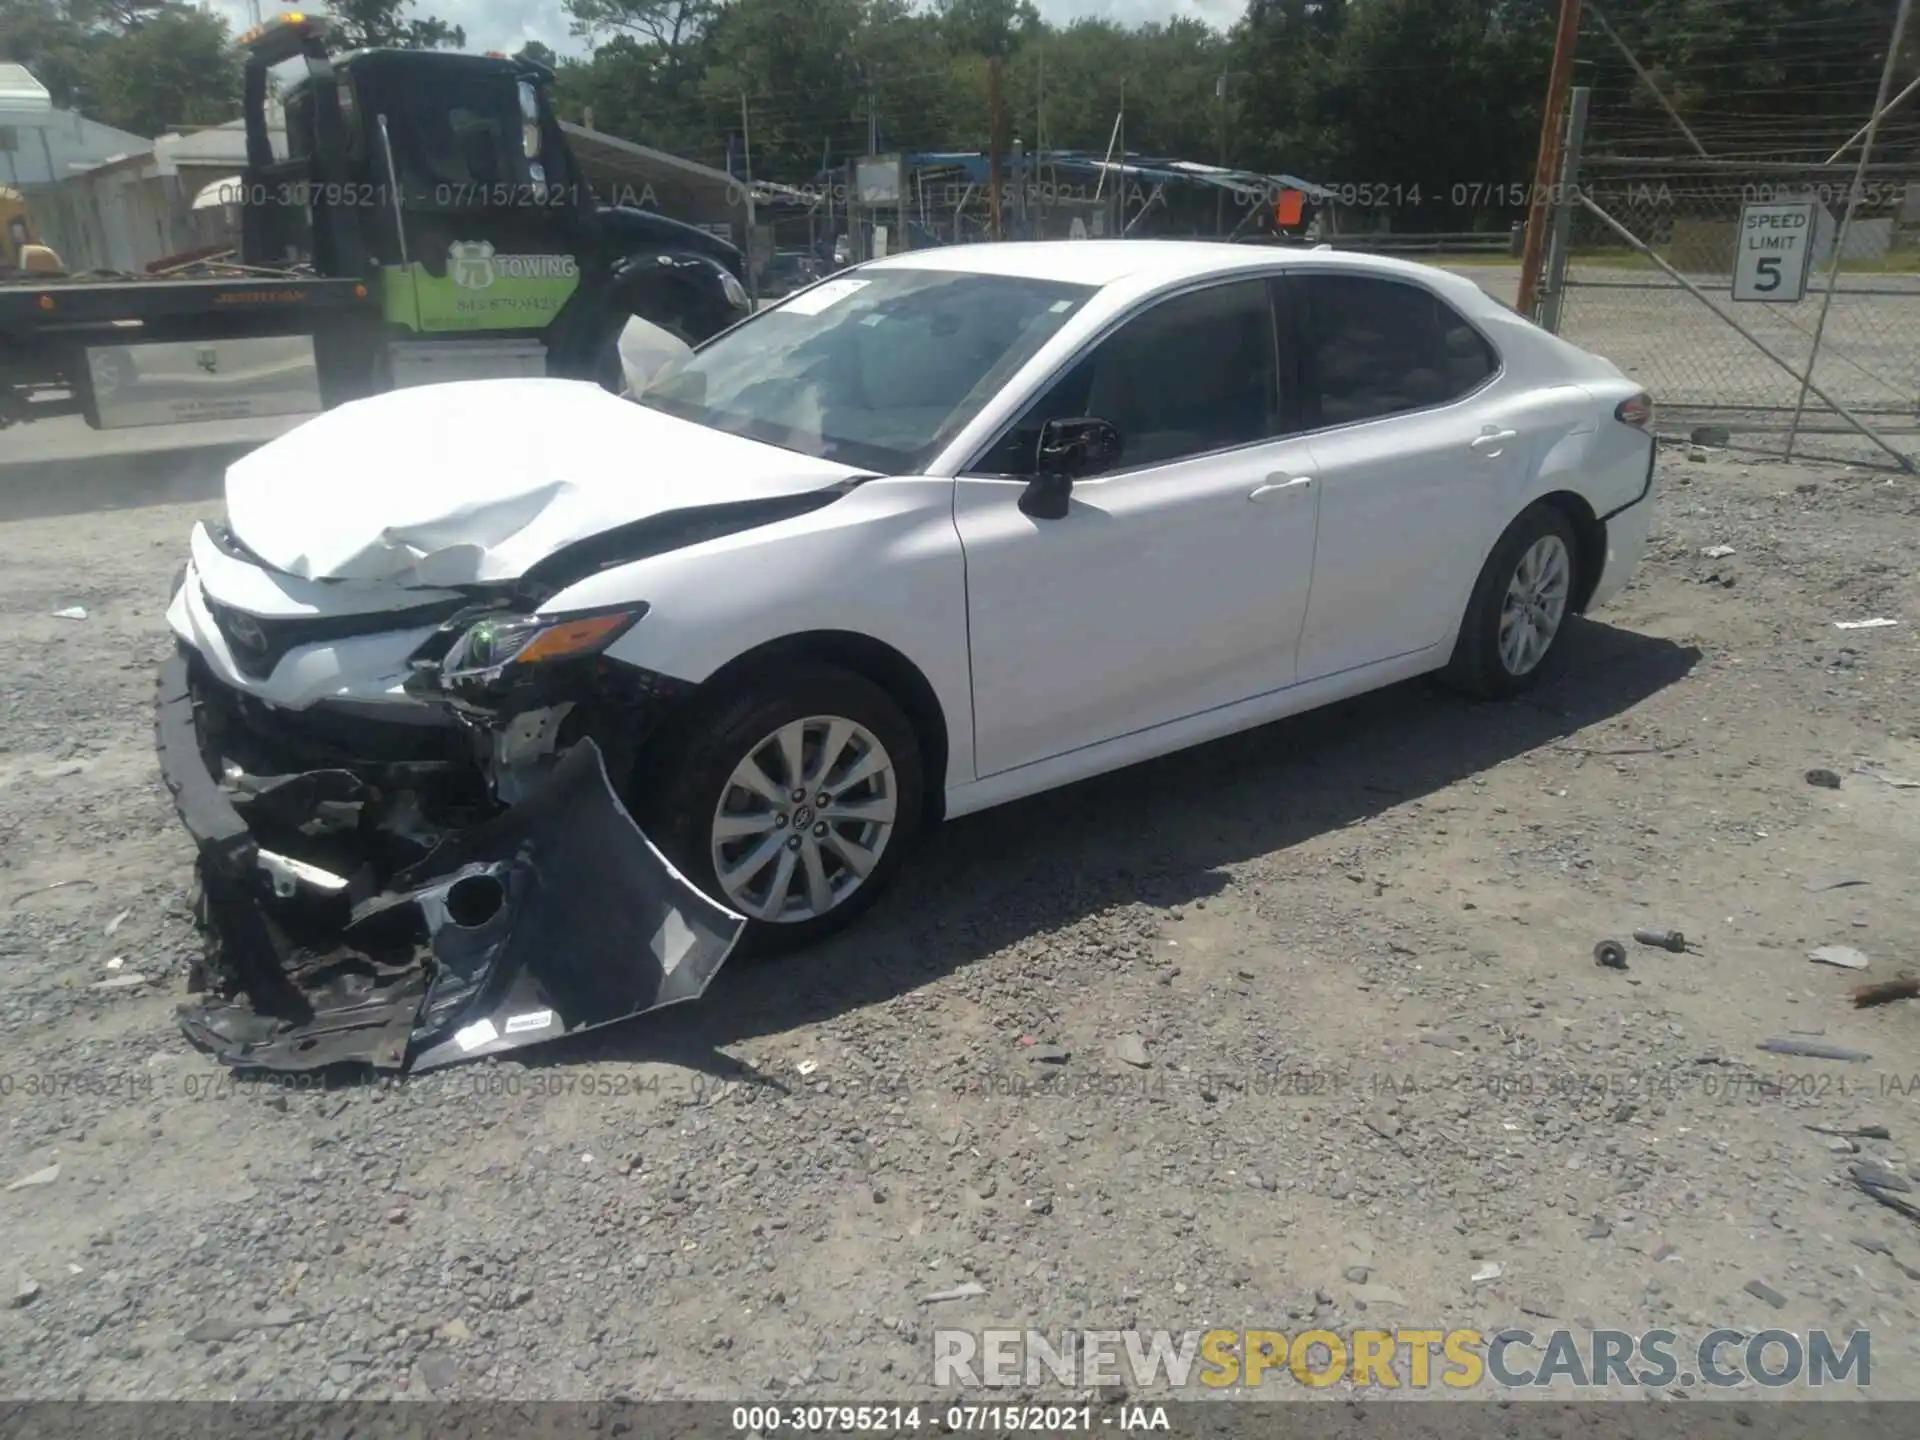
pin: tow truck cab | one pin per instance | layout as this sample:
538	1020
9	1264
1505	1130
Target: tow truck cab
426	221
445	181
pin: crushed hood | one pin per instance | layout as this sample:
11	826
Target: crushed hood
473	482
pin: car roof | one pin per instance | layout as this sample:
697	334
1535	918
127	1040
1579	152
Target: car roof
1147	262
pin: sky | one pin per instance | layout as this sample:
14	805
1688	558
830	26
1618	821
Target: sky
509	24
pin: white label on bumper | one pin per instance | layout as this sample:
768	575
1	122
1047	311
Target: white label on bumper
481	1032
532	1020
672	942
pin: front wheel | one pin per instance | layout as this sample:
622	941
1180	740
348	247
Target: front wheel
1519	606
793	800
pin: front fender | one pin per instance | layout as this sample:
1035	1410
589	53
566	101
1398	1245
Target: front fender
881	560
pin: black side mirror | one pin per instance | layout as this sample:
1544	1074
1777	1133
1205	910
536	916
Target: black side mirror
1068	450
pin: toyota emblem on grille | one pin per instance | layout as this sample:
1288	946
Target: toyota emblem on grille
245	631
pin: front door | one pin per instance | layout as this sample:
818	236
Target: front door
1177	582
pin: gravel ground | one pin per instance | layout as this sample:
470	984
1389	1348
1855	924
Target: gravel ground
1354	952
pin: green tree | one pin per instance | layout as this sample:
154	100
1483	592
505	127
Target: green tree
43	36
385	25
173	69
645	78
989	27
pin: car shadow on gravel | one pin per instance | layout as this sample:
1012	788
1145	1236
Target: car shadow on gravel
1162	832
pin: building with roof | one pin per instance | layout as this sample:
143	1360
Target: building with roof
41	144
137	210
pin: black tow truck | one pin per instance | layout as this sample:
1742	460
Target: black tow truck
427	222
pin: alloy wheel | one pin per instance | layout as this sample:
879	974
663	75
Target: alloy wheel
803	819
1535	604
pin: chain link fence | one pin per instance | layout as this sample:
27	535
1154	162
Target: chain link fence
1686	344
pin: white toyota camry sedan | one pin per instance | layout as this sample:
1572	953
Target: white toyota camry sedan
943	531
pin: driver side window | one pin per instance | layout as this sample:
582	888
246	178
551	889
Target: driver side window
1190	375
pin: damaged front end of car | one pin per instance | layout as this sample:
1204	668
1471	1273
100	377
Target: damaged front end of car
410	885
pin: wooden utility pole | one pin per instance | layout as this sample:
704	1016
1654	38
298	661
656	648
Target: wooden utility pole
1547	165
993	144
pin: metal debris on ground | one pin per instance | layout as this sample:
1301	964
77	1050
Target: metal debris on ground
1832	882
1858	1132
1663	940
1872	1172
1717	552
72	612
44	889
967	1290
1812	1050
1760	1290
1845	956
1610	953
1374	1293
117	921
1885	993
39	1177
1882	1195
1878	622
1898	782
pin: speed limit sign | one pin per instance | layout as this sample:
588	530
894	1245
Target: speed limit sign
1776	249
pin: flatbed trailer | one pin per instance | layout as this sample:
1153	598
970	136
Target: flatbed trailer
427	222
156	350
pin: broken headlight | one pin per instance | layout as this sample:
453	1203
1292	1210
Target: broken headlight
493	642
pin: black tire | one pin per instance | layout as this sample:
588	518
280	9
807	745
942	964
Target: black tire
684	777
1476	667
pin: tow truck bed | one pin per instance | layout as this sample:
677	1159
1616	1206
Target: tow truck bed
27	306
127	350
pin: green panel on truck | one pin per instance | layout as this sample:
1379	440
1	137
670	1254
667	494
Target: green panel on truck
482	290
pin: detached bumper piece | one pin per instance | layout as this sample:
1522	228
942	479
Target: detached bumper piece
348	922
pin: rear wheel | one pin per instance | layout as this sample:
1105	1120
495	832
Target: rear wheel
1519	606
792	800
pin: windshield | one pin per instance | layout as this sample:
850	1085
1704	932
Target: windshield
456	136
877	370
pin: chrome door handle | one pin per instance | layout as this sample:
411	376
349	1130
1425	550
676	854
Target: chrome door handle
1492	441
1276	485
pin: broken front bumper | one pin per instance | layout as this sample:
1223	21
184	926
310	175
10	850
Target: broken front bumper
382	912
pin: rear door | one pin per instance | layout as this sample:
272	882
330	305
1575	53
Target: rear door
1420	444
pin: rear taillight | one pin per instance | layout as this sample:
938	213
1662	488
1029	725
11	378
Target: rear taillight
1637	411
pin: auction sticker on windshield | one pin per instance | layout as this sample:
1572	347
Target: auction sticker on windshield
831	292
